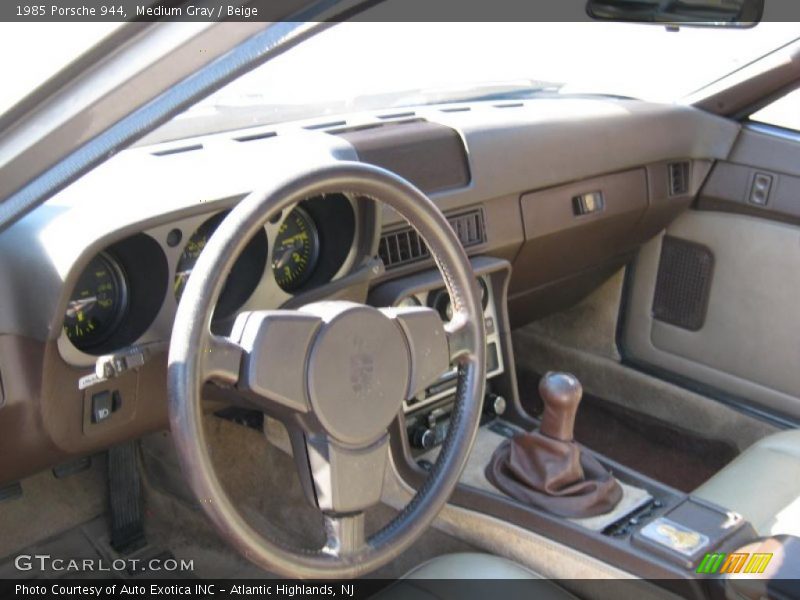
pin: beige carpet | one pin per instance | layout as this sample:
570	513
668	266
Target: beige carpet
582	340
263	482
49	506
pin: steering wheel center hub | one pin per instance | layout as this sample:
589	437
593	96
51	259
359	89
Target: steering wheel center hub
358	371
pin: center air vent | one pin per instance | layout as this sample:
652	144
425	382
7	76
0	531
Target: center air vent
404	246
679	178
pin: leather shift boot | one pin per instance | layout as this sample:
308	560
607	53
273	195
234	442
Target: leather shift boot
553	475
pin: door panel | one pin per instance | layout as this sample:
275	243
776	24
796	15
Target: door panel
716	299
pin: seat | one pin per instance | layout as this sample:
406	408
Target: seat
762	484
455	575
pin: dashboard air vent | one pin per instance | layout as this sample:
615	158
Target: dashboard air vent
404	246
679	178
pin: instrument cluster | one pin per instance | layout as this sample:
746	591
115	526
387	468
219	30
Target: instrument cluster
112	303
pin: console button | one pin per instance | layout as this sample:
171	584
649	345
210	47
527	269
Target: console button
585	204
496	404
759	193
489	325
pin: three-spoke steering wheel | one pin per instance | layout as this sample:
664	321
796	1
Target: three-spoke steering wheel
336	373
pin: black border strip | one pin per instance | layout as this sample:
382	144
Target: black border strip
389	11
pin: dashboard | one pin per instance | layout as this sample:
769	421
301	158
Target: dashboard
560	192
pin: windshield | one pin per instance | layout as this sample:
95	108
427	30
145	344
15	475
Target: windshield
66	41
356	66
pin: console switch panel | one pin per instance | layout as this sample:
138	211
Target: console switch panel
759	193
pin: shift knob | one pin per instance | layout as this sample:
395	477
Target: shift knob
561	393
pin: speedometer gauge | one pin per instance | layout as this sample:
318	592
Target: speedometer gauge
97	303
296	250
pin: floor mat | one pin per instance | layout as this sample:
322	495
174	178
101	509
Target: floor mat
668	454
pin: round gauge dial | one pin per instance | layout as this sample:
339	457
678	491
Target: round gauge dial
409	302
97	303
439	300
191	252
243	278
296	250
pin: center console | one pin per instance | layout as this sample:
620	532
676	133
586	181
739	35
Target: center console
655	532
427	415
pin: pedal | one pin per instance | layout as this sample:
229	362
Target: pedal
71	468
125	493
254	419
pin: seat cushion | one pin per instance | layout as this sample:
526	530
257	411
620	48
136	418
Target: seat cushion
438	579
470	565
762	484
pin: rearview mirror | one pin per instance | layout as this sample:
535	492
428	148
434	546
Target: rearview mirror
703	13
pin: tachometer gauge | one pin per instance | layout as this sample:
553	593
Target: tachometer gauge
192	251
245	273
296	250
97	303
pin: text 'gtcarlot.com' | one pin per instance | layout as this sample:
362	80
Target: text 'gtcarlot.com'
45	562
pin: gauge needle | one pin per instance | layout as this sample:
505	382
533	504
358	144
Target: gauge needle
79	305
181	277
286	254
297	237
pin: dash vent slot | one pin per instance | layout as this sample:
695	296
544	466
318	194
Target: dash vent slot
178	150
405	246
398	115
679	178
402	247
251	137
327	125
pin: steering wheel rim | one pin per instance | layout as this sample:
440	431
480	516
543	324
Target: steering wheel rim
195	357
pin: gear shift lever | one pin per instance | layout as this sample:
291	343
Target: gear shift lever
546	468
561	394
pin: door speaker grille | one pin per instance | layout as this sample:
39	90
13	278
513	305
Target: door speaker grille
683	283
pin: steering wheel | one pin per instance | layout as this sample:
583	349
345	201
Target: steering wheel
335	373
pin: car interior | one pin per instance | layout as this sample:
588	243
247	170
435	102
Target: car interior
550	337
